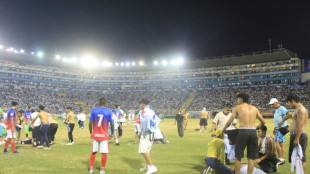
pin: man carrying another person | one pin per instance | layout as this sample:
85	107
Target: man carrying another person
247	114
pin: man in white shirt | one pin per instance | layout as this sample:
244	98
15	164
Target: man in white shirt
220	121
82	118
36	128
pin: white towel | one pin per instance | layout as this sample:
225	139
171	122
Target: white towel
296	160
263	148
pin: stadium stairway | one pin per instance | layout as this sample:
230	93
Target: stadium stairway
188	101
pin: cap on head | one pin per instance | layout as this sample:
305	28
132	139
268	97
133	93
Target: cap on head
218	132
273	100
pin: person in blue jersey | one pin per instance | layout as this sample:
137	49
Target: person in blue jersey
115	119
11	131
28	119
119	115
279	114
149	124
99	121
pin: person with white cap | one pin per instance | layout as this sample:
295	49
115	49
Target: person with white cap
204	115
279	114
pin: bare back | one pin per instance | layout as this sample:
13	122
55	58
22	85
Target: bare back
70	117
204	114
43	116
247	115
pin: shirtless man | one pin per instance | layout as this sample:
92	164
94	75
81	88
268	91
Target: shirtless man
43	128
297	127
70	120
52	129
246	137
204	115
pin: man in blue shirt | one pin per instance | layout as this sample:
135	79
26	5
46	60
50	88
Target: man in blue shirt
27	121
279	114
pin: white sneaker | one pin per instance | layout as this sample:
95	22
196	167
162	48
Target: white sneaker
102	172
39	147
47	148
152	169
91	171
144	168
200	131
69	144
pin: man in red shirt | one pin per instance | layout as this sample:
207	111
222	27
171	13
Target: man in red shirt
11	132
99	120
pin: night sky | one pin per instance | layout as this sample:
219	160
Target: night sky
146	29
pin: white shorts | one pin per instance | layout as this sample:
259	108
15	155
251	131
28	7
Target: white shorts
104	146
145	144
137	127
10	134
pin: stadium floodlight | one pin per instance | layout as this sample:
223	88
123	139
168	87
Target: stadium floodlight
164	62
174	62
15	51
141	63
22	51
65	59
155	62
116	64
74	60
40	54
32	53
133	63
1	47
8	50
57	57
122	64
88	61
180	60
127	63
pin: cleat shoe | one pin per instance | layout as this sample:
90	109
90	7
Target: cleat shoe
69	144
152	169
6	152
117	144
16	153
102	172
91	171
47	148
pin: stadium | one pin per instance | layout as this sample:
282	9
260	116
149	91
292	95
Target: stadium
171	85
154	87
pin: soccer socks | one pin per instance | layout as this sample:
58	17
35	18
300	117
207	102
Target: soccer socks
92	159
6	145
26	135
103	160
116	141
13	146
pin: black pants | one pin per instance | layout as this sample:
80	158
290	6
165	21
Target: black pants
71	125
180	128
36	133
120	129
52	131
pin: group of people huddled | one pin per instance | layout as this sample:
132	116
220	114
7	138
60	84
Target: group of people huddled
37	123
267	151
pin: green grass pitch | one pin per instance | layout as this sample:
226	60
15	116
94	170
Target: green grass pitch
182	155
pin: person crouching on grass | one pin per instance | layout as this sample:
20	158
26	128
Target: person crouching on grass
216	153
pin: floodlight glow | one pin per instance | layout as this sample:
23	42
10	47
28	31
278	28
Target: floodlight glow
116	64
15	51
133	63
8	50
122	64
141	63
155	62
174	62
127	64
74	60
164	62
64	59
1	47
88	61
22	51
57	57
11	49
32	53
40	54
180	61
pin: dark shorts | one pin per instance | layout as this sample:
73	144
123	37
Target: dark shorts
246	138
203	122
18	129
303	141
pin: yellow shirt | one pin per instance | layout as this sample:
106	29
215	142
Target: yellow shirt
217	150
